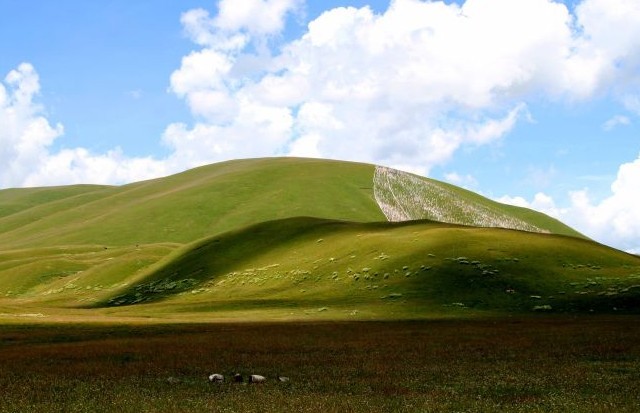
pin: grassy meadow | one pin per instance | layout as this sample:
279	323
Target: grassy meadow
294	239
126	298
305	269
531	364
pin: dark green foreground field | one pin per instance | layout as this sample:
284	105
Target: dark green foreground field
550	364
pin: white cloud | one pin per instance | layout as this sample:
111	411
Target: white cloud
237	22
25	133
541	202
617	120
72	166
256	130
492	128
306	146
407	87
255	16
26	137
201	80
619	46
614	220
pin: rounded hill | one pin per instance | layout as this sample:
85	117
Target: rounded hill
230	195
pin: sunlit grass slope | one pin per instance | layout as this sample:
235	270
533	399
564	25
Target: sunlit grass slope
16	200
312	268
191	205
73	274
229	238
230	195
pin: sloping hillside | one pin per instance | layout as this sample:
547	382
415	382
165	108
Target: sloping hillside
192	205
216	198
417	269
230	238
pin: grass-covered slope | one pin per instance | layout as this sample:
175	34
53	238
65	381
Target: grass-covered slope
16	200
229	239
191	205
230	195
313	268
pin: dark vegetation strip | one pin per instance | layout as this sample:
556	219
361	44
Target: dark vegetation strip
588	364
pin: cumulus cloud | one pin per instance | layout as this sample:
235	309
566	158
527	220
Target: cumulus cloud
238	22
407	87
541	202
26	137
255	16
25	133
614	220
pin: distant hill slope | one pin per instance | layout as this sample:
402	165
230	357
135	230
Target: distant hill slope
194	204
221	197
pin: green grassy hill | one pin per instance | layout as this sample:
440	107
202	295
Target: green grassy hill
230	240
191	205
304	267
221	197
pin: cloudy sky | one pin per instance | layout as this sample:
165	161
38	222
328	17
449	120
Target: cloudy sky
531	102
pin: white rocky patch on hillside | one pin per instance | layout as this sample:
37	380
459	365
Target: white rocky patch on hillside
403	197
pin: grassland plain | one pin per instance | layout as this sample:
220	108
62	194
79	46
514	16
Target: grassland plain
125	298
532	364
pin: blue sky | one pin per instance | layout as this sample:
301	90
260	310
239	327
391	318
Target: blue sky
531	102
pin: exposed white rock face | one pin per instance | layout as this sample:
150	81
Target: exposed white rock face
403	197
